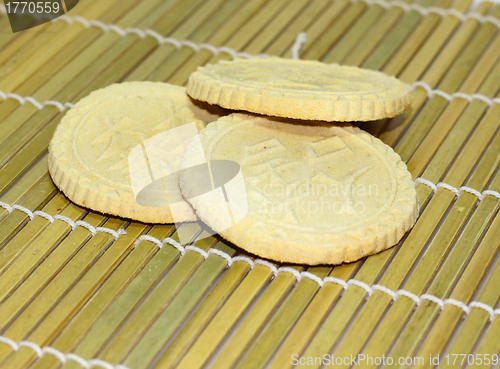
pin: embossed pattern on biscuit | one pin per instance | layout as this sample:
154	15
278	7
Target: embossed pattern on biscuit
316	194
89	153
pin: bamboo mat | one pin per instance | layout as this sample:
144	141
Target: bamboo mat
73	295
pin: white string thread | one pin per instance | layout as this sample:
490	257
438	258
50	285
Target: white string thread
429	90
87	364
299	41
457	191
73	224
62	357
158	37
235	54
457	95
432	10
344	284
38	105
274	269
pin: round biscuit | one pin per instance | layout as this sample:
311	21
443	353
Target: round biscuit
315	194
300	89
88	154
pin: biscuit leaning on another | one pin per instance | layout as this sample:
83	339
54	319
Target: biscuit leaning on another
300	89
88	155
324	194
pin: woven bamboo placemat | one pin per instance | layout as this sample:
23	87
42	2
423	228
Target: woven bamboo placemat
79	289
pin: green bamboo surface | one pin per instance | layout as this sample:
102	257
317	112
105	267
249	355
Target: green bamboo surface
147	307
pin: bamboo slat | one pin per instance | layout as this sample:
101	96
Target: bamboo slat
449	270
170	65
377	22
14	221
362	322
334	32
397	36
230	24
284	40
183	303
99	328
435	71
202	316
157	57
436	134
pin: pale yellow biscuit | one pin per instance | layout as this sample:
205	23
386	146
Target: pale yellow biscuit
315	194
88	155
300	89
